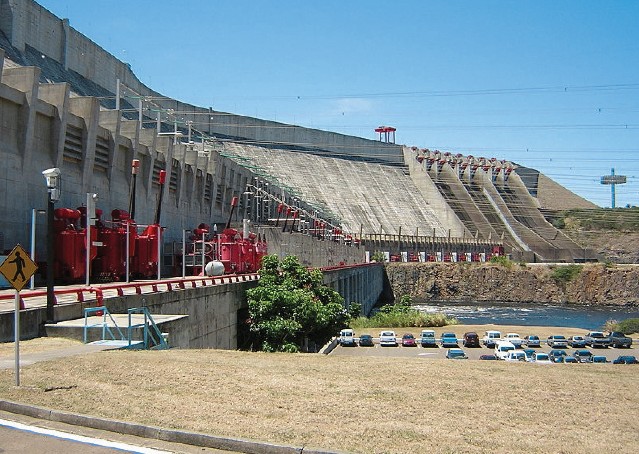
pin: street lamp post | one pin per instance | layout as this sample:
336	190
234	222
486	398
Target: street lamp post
33	240
90	216
184	231
53	180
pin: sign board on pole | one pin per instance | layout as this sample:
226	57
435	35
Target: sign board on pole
18	268
613	179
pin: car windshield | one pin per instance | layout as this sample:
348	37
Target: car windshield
542	356
428	335
506	348
388	333
596	335
448	335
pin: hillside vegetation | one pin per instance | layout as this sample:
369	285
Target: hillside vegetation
612	233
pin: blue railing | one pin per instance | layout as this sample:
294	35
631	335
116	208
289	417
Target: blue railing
106	329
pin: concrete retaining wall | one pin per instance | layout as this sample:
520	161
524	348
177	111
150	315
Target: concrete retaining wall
212	312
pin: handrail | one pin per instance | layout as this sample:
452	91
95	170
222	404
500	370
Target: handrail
171	283
148	323
105	327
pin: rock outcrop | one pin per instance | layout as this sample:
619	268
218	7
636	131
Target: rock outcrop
592	284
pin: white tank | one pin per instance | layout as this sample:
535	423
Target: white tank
214	268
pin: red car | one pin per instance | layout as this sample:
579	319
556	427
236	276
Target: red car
408	340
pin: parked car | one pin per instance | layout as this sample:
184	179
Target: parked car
570	359
577	341
471	339
583	356
557	341
408	340
427	338
449	340
516	355
557	356
529	352
532	341
347	338
597	339
619	340
625	359
502	348
599	359
456	353
366	340
490	338
488	357
387	339
541	358
514	339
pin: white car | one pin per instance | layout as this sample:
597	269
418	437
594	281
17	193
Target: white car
347	338
514	339
387	338
516	355
503	348
541	358
490	338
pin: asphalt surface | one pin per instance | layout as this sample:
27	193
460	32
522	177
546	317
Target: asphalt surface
35	436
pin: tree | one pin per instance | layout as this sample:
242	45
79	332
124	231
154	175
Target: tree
290	307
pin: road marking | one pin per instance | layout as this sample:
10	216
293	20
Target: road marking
80	438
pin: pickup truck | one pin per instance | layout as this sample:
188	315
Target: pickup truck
618	340
597	339
514	339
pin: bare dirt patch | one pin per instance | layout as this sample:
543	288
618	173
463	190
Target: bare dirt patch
352	404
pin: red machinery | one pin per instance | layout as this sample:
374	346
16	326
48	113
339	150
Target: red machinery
110	263
147	244
70	244
236	252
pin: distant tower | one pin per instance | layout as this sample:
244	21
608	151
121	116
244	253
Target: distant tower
389	133
613	180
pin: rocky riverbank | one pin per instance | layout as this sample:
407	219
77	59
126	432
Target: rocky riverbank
590	284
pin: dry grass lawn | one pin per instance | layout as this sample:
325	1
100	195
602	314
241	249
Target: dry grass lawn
352	404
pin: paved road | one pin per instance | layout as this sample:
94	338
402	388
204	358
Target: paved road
22	434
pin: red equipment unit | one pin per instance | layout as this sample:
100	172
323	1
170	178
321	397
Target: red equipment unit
70	246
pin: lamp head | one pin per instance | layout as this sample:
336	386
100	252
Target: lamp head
53	182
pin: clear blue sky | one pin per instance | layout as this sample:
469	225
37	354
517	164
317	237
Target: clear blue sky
552	85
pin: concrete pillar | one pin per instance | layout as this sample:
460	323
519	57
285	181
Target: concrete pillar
58	96
25	79
87	108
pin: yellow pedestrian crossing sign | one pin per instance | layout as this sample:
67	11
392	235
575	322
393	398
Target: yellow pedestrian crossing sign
18	268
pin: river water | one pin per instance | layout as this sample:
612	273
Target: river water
482	313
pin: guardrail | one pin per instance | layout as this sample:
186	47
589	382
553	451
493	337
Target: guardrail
83	293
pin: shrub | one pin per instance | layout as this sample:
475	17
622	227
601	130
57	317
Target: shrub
565	274
501	260
628	326
378	257
401	315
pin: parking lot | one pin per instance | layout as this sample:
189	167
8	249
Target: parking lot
473	353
